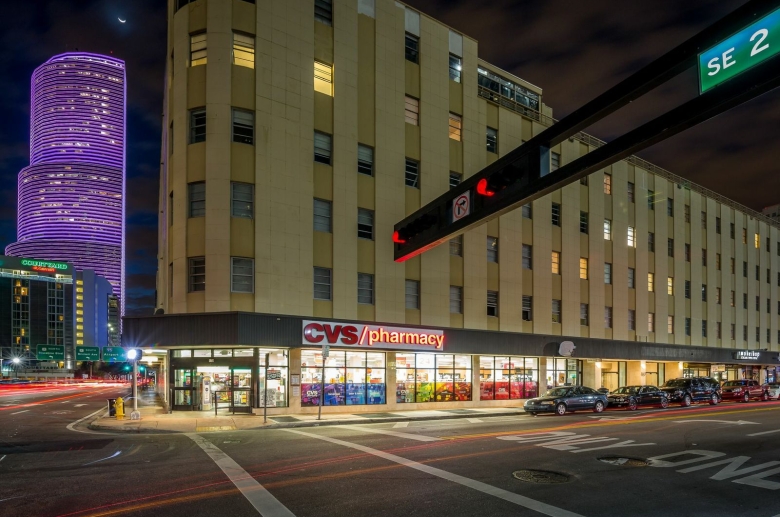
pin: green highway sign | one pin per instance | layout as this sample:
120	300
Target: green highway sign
87	353
113	353
50	353
747	48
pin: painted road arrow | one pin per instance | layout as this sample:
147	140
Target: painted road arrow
738	422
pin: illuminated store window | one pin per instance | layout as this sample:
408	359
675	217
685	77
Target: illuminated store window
432	378
273	380
350	378
508	378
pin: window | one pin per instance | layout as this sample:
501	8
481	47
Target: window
670	247
242	275
650	322
412	111
717	225
584	315
527	308
412	48
527	256
704	258
744	269
758	273
196	193
555	161
631	198
703	328
756	241
704	220
583	268
322	215
455	179
198	49
323	143
704	292
607	230
650	282
631	319
456	246
631	278
323	280
717	295
197	274
556	262
412	294
197	125
608	317
733	299
323	11
768	276
456	299
670	286
688	289
687	326
631	237
733	331
455	68
365	289
733	266
492	140
366	368
412	173
527	211
758	334
767	244
556	311
651	242
758	303
687	252
556	214
607	183
650	200
687	210
492	249
744	235
365	224
583	222
492	303
243	50
170	209
243	127
744	332
670	207
670	324
456	124
768	306
778	249
323	78
744	300
607	273
242	200
365	163
717	261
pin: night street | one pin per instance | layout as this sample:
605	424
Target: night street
447	467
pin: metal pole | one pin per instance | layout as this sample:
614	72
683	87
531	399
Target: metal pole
265	390
322	390
135	385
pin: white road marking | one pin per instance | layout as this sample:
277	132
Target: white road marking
79	405
25	411
765	432
736	422
72	426
418	437
1	459
117	453
474	420
265	503
500	493
400	424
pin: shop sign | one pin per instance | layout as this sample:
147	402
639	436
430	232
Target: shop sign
359	335
274	375
747	354
718	368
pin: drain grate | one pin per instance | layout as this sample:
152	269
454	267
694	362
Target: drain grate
542	477
624	462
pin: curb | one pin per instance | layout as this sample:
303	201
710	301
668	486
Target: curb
314	423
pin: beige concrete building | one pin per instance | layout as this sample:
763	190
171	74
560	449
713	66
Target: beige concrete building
296	133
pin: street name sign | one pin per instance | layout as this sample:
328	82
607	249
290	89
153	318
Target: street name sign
87	353
50	353
747	48
113	353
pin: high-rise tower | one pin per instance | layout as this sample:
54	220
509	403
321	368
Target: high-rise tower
72	195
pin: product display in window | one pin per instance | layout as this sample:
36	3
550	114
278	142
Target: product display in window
351	378
508	378
432	378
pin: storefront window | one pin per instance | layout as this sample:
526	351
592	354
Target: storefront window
202	353
182	353
243	352
275	375
432	378
351	378
505	378
223	352
564	372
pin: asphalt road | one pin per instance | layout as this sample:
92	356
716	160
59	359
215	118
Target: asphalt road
708	461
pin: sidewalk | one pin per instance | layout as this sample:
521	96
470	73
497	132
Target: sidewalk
154	419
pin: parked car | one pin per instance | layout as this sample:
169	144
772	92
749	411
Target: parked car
744	390
634	396
567	398
773	390
692	389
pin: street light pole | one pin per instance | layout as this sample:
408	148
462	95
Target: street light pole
135	387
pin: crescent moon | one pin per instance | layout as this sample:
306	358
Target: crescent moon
121	20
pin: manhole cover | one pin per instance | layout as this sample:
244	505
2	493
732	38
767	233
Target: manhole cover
624	462
542	477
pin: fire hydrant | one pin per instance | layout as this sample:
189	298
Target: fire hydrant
119	405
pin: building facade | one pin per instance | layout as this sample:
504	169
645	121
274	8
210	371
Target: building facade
71	196
296	134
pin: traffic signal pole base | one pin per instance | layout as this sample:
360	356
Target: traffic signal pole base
135	415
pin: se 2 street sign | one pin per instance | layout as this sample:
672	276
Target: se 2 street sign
747	48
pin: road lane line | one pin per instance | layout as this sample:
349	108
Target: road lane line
525	502
400	424
117	453
1	459
262	500
765	432
18	412
418	437
474	420
72	426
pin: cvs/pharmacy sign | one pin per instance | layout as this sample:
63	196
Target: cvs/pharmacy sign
360	335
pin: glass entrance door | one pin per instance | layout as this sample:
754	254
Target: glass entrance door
183	389
241	389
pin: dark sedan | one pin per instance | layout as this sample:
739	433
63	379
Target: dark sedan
634	396
566	398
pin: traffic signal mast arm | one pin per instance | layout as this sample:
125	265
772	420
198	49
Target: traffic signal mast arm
523	174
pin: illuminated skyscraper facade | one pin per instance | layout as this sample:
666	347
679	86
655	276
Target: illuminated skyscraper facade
72	195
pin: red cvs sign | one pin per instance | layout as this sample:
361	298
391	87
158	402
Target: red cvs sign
359	335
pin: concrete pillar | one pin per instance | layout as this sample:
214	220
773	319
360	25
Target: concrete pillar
390	382
589	375
295	369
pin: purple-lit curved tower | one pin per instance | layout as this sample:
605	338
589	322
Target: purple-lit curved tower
71	197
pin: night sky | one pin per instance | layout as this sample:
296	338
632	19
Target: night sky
573	50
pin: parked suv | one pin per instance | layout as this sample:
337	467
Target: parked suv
744	390
692	389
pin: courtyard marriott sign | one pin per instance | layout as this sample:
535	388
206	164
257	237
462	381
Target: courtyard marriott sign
751	355
360	335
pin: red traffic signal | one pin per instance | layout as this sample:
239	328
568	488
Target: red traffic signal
483	189
397	238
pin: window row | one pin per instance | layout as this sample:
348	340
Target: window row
242	275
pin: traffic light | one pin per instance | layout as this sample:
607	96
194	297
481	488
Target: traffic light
126	368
